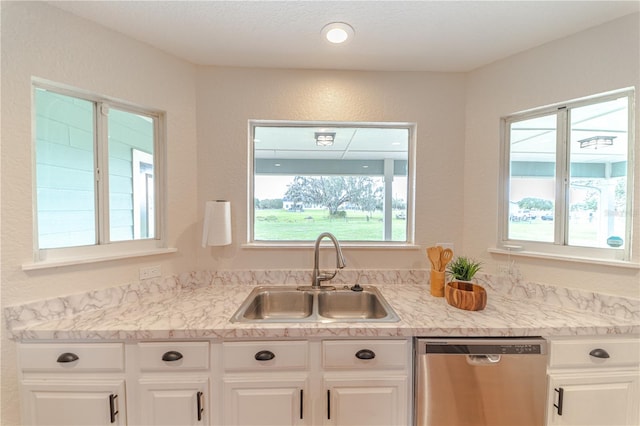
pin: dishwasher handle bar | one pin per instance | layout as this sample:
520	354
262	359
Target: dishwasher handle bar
488	359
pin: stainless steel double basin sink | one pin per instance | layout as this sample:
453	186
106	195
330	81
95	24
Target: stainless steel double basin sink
288	304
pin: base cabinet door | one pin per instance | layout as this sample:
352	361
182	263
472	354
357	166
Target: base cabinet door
608	399
74	403
174	403
265	402
371	402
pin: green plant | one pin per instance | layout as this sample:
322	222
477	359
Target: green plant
463	268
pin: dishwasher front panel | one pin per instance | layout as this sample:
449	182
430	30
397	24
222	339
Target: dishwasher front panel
480	382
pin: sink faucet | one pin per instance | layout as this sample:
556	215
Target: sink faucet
340	263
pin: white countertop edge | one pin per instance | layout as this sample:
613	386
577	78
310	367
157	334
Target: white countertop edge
306	333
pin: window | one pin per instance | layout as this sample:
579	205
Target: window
95	163
350	179
568	178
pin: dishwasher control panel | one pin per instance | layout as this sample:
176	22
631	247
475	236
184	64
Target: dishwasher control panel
483	347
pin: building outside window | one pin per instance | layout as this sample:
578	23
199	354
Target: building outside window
96	167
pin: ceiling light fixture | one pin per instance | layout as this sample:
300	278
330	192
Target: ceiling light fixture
325	138
596	141
338	32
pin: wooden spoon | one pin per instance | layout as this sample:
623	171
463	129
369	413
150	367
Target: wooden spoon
434	256
445	257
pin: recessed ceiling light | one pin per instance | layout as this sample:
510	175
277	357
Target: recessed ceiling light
337	32
325	138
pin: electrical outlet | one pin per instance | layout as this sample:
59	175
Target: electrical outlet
150	272
445	245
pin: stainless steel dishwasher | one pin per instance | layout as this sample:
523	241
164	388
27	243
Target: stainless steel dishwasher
478	381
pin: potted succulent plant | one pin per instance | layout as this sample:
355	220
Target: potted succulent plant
463	268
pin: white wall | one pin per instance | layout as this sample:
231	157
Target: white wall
42	41
229	97
208	109
594	61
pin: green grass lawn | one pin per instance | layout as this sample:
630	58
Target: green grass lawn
582	233
282	225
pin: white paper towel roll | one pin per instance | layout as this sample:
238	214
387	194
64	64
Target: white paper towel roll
217	224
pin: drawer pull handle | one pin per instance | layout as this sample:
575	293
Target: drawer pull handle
171	356
365	354
113	411
68	357
558	406
265	356
200	407
301	404
599	353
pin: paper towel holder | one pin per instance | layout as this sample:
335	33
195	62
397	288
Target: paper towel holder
216	230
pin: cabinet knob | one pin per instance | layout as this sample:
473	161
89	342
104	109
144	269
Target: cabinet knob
365	354
599	353
265	356
67	357
171	356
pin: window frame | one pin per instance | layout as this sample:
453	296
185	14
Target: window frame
560	248
103	249
409	241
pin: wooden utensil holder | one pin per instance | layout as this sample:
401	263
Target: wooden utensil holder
437	283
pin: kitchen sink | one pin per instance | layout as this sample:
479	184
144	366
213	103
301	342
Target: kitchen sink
347	304
288	304
274	304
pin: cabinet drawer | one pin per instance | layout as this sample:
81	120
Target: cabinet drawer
365	354
173	356
69	357
582	353
265	355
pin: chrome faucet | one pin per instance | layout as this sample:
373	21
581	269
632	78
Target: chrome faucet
318	276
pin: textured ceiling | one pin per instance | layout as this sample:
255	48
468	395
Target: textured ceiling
390	35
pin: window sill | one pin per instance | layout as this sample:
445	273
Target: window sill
565	258
46	264
309	244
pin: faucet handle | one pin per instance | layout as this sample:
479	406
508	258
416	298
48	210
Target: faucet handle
325	276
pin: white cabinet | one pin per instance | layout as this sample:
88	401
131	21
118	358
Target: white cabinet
360	401
266	383
594	399
172	385
72	384
367	382
263	401
594	381
174	401
81	403
332	382
292	382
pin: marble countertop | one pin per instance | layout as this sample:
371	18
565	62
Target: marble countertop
204	311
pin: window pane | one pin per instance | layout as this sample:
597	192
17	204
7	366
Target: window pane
131	171
64	170
532	179
597	197
353	185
